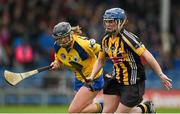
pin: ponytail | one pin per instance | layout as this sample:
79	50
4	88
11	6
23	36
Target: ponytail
76	30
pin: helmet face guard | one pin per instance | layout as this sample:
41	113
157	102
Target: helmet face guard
64	41
110	26
62	34
117	15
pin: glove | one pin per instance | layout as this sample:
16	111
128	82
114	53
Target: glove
56	65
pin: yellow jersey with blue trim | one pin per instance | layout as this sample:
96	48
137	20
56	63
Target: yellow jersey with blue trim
124	51
80	51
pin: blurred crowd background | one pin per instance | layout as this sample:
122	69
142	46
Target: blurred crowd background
26	42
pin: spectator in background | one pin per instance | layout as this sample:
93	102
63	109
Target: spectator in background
30	13
125	90
23	53
45	45
3	56
176	59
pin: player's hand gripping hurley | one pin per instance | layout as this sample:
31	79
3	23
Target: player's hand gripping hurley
14	78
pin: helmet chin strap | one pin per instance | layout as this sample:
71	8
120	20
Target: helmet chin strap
66	44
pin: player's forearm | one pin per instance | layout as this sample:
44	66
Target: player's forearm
97	67
152	62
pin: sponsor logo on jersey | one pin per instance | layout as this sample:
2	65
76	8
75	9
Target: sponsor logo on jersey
63	56
118	59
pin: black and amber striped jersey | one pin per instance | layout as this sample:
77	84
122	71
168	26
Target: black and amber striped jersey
124	50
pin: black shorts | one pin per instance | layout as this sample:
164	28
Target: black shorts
130	95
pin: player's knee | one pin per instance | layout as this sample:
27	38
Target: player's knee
108	110
74	110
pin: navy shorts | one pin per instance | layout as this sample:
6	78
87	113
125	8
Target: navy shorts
96	85
130	95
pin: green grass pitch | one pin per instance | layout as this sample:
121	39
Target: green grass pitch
58	109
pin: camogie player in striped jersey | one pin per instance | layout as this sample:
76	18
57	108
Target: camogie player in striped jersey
124	92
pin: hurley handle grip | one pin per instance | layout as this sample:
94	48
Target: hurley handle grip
44	68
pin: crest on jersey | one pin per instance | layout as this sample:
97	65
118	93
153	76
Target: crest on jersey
75	58
113	49
63	56
106	49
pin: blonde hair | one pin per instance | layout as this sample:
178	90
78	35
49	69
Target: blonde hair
76	30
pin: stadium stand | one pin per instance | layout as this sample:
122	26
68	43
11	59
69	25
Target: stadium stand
32	21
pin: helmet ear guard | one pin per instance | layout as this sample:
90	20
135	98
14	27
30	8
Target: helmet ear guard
121	24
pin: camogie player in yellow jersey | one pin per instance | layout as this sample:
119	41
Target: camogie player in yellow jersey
125	90
69	46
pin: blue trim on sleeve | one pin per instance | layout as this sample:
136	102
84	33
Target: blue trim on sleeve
56	47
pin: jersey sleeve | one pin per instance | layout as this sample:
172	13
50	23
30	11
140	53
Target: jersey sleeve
94	46
83	37
102	52
133	42
56	48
